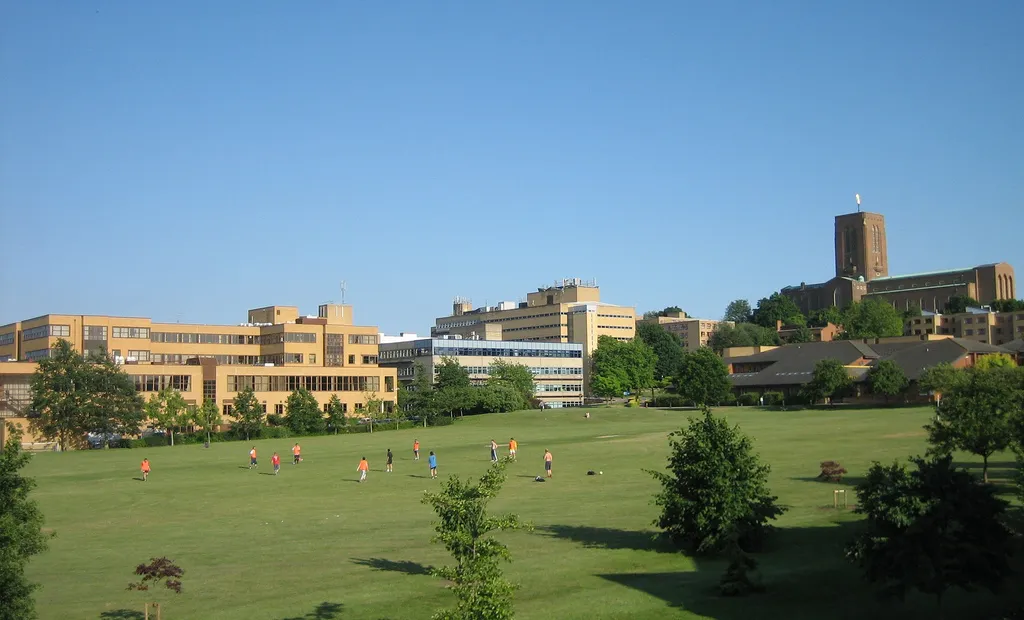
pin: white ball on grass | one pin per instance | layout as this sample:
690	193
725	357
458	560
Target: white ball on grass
601	472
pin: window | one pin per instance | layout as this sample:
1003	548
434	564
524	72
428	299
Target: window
140	356
279	409
982	331
389	384
94	332
32	356
335	351
369	359
312	358
970	332
362	339
131	332
227	409
210	389
155	383
57	331
351	359
6	339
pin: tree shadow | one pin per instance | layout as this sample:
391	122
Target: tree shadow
122	614
400	566
847	481
323	611
609	538
997	470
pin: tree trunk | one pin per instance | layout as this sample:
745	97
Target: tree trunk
171	431
984	468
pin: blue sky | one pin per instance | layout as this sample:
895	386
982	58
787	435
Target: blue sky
190	160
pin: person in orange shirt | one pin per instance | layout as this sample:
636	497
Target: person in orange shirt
513	446
547	462
252	458
296	454
362	469
145	470
416	450
276	462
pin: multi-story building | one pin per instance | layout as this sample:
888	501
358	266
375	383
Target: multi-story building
862	272
570	311
275	352
693	333
978	324
557	367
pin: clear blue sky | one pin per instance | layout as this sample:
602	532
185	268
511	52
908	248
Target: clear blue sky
190	160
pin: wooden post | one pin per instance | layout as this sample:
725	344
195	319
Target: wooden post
835	498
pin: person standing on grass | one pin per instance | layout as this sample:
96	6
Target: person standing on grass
391	457
145	470
432	461
276	462
494	451
362	469
547	462
252	458
415	449
513	446
296	454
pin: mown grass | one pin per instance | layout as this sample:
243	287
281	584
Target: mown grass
312	543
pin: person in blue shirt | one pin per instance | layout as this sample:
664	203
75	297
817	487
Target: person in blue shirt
432	461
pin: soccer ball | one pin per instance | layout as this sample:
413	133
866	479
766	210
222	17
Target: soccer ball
601	472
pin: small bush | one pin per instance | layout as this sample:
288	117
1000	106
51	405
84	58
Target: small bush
670	400
441	420
831	471
275	420
730	400
737	579
774	399
275	432
748	400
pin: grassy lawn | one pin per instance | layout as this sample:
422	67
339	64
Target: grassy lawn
311	543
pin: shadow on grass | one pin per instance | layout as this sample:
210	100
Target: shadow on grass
997	470
399	566
609	538
139	479
267	473
847	481
122	614
323	611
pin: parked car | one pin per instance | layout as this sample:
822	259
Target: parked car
98	440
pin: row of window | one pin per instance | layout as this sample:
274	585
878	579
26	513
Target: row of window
362	339
539	370
57	331
131	332
94	332
185	338
155	383
264	383
6	339
33	356
495	352
615	327
565	387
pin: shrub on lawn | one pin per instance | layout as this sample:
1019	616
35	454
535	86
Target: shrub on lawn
748	400
669	400
774	399
831	471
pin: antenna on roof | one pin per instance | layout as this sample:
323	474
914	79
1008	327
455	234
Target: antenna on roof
343	289
857	196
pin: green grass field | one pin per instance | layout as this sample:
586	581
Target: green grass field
311	543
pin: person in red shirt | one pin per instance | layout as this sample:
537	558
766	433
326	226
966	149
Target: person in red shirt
362	469
276	462
145	470
252	458
296	454
416	450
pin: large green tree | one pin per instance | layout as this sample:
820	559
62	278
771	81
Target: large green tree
824	316
1007	305
21	534
940	378
871	319
208	417
960	303
73	396
738	311
248	414
887	379
829	379
450	374
515	376
666	346
742	335
978	413
702	378
715	490
930	530
167	410
777	307
336	413
619	367
303	413
465	529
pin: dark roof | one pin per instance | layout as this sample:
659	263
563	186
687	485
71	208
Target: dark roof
1016	346
794	364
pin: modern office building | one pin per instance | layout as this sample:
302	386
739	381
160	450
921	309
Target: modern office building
862	272
557	367
693	333
570	311
275	352
978	324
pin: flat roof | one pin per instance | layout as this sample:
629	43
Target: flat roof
485	344
925	273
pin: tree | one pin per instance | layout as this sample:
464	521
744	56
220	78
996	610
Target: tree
887	378
450	374
374	407
702	378
159	570
667	349
930	530
303	413
336	413
994	360
653	314
248	413
1007	305
464	528
715	490
742	335
913	310
829	379
977	414
167	410
208	417
823	316
515	376
738	311
958	304
940	378
73	396
498	399
621	366
21	534
871	319
776	308
800	335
